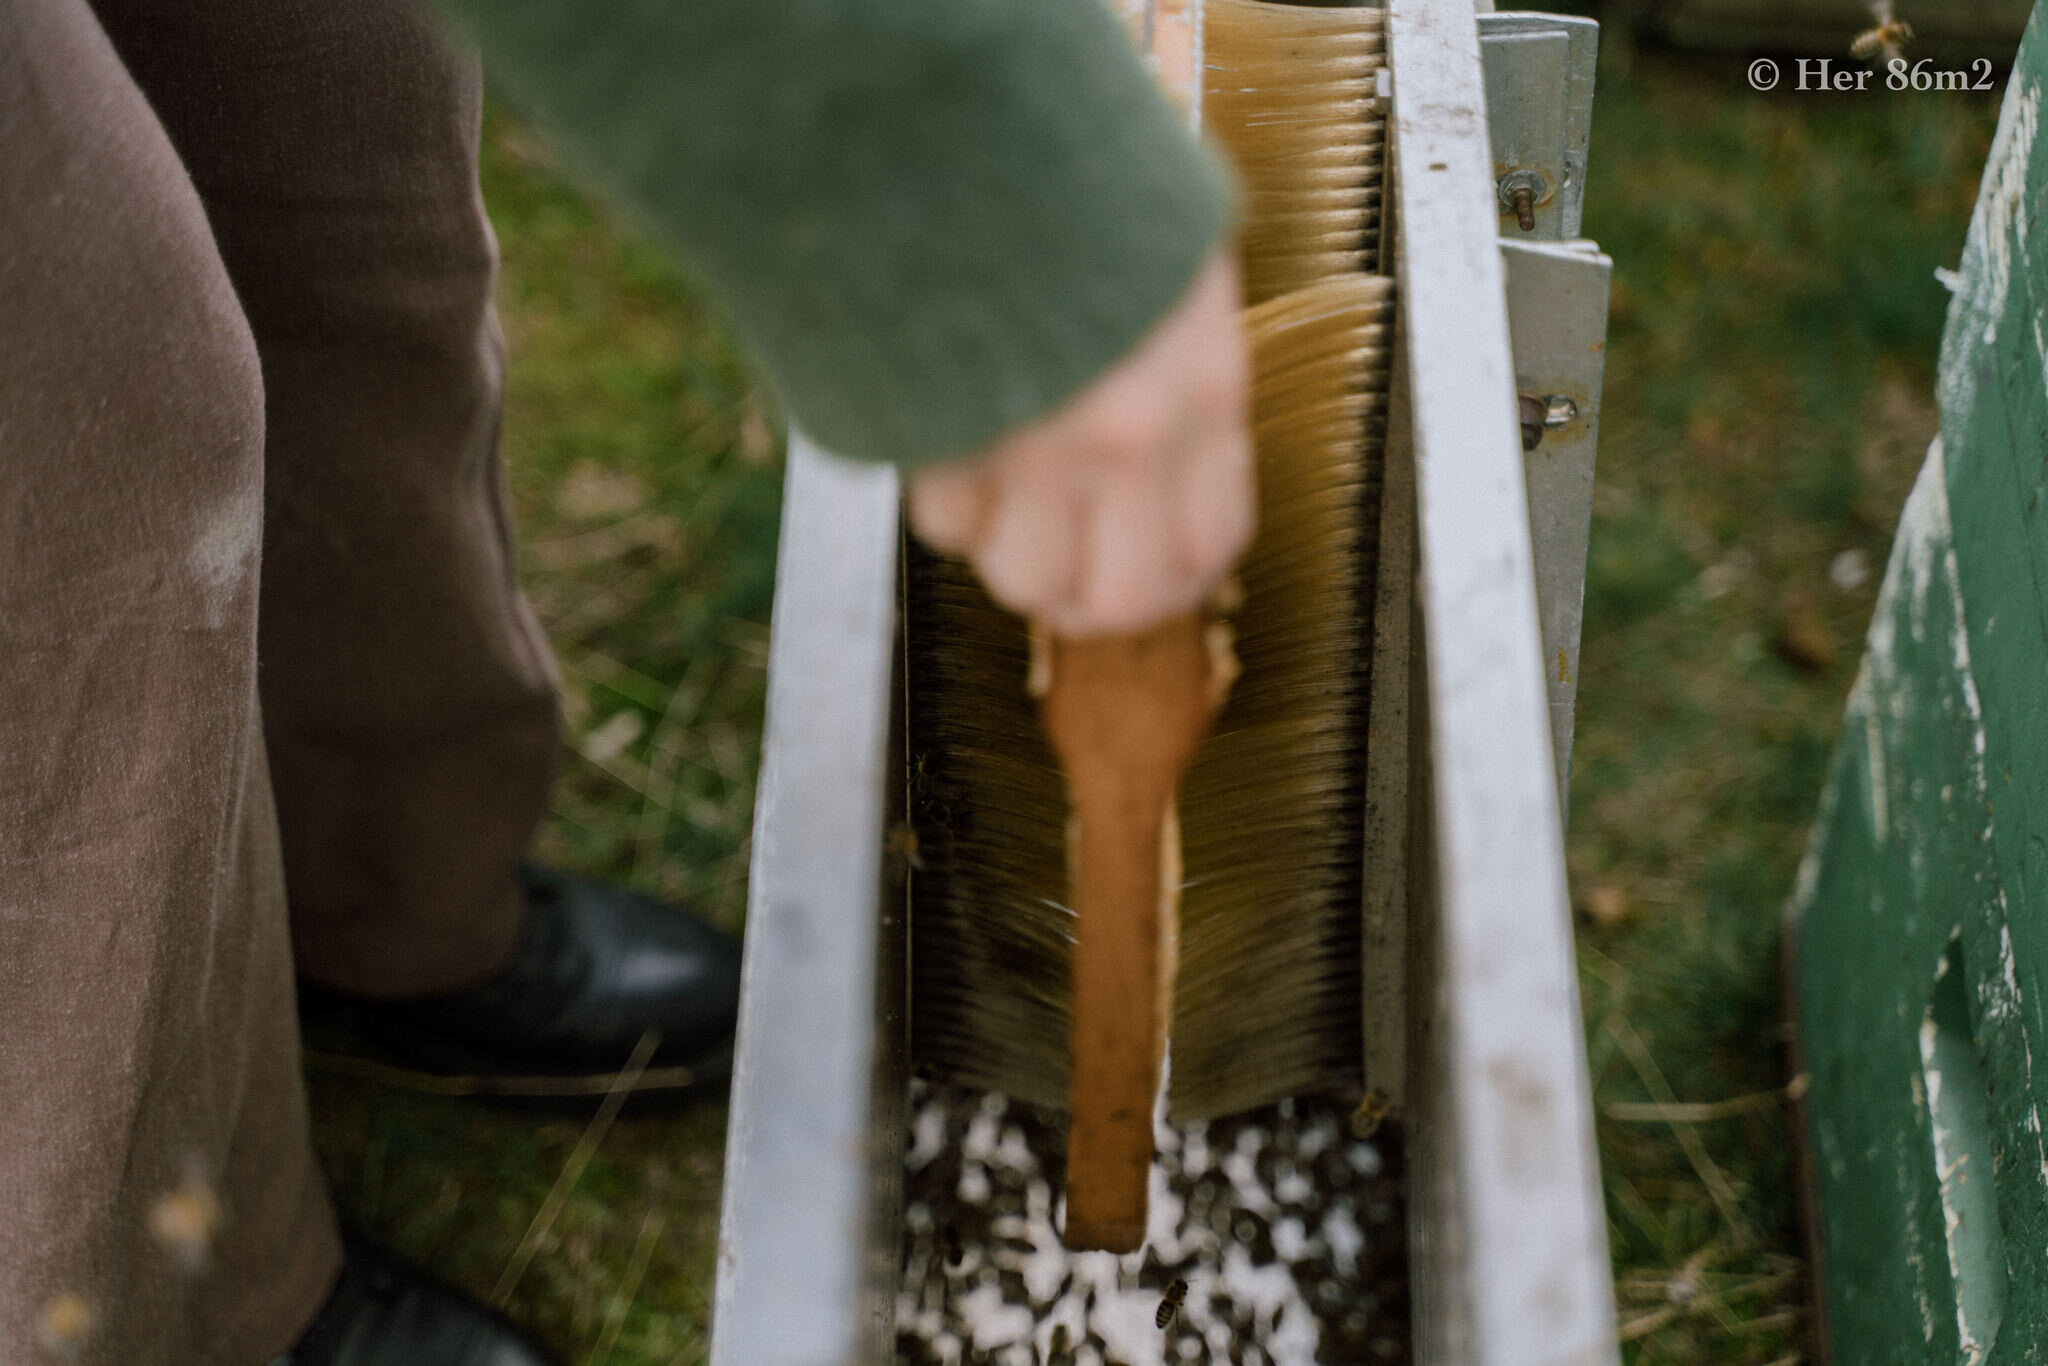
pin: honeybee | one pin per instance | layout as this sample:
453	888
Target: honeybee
67	1323
1887	37
184	1222
1370	1114
1170	1302
901	846
951	1249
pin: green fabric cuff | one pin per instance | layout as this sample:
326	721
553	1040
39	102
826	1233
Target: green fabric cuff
932	220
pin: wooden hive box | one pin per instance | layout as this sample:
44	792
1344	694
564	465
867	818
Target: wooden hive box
1918	932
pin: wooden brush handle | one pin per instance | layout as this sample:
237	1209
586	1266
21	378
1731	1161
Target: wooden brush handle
1125	714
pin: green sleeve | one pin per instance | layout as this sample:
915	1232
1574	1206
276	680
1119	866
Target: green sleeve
931	220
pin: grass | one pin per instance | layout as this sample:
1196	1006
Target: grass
1774	325
1768	400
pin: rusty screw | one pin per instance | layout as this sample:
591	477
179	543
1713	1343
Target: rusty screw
1520	191
1533	410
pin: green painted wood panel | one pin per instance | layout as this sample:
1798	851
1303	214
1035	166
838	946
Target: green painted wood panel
1919	924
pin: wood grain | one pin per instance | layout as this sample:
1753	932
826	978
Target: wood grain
1125	714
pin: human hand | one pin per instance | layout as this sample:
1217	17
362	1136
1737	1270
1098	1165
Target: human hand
1128	504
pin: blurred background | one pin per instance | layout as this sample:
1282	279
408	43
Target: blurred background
1774	328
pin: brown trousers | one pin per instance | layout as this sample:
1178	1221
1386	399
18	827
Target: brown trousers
245	323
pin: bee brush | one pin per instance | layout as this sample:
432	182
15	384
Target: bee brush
1125	714
1268	998
1291	91
1264	962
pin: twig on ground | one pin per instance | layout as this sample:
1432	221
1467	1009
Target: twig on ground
610	603
1689	1294
567	1087
1699	1112
572	1170
595	669
1645	1324
1785	1319
629	1289
665	760
1703	1163
1637	1209
594	545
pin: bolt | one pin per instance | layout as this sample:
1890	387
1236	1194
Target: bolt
1533	411
1520	191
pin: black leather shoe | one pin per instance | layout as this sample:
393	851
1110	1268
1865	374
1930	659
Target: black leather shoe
598	968
385	1312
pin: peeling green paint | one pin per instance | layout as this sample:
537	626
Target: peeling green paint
1920	917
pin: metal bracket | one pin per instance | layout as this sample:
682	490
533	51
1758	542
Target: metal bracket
1557	330
1539	118
807	1237
1539	72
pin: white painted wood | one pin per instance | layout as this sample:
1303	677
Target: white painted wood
1515	1111
794	1230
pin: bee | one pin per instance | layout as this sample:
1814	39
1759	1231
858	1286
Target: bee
67	1323
1170	1302
951	1249
901	845
1370	1114
1887	37
184	1222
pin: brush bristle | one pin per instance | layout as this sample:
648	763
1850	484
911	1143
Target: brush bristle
1270	813
991	936
1290	91
1266	1001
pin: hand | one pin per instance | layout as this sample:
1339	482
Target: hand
1128	504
